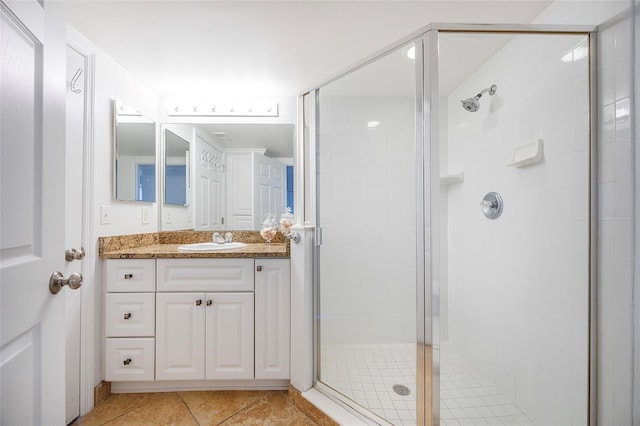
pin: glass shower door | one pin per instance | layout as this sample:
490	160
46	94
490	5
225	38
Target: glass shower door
367	200
514	287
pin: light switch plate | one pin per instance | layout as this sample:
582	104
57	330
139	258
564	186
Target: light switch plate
145	216
105	215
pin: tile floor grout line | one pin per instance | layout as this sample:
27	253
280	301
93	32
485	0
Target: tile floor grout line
243	409
124	413
188	408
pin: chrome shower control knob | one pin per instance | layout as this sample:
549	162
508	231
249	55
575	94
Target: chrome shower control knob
491	205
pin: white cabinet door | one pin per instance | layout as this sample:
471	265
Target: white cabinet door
180	336
229	341
272	321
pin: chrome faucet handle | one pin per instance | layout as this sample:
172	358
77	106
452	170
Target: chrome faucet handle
217	238
228	237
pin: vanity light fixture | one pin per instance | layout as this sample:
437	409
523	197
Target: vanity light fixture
230	108
124	109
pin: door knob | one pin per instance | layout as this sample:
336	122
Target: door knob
57	281
73	254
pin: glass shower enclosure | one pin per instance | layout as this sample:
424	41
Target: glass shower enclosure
453	201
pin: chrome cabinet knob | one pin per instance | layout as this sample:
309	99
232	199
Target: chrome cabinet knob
57	281
74	254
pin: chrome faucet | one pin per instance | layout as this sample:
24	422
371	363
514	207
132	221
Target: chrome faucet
218	238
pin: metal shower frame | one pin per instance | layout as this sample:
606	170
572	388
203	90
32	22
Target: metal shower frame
427	145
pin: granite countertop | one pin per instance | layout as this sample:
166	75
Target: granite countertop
165	245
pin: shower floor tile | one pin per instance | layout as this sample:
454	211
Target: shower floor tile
366	373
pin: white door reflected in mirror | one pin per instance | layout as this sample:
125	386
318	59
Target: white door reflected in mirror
234	174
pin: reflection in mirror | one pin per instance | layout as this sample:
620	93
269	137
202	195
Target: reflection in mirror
176	169
134	154
239	174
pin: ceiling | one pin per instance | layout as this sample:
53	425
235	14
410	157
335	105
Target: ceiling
265	48
277	139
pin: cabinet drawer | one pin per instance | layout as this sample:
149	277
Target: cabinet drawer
130	275
130	314
129	359
205	274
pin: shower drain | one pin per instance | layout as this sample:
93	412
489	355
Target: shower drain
401	390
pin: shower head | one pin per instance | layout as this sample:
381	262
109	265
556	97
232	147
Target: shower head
473	104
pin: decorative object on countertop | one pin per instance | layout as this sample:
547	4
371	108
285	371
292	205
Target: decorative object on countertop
269	228
286	222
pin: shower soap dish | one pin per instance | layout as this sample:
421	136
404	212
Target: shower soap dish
451	178
527	155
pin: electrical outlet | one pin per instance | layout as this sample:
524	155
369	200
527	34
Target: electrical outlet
105	215
145	216
169	217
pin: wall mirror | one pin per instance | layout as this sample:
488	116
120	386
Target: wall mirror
134	168
176	160
236	174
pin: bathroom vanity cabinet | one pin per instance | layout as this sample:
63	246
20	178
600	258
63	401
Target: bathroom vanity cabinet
197	319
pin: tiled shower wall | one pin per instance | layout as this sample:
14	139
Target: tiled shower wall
519	285
617	214
615	221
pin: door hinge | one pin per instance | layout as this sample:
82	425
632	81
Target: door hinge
318	237
223	220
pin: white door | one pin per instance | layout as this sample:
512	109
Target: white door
229	336
278	188
262	184
272	318
239	175
208	186
75	99
179	336
32	181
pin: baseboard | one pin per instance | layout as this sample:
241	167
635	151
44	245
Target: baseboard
310	410
101	392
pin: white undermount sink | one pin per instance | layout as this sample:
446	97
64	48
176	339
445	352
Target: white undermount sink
211	246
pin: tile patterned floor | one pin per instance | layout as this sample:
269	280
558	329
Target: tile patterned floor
466	398
197	408
366	373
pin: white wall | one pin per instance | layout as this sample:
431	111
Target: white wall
112	81
519	285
